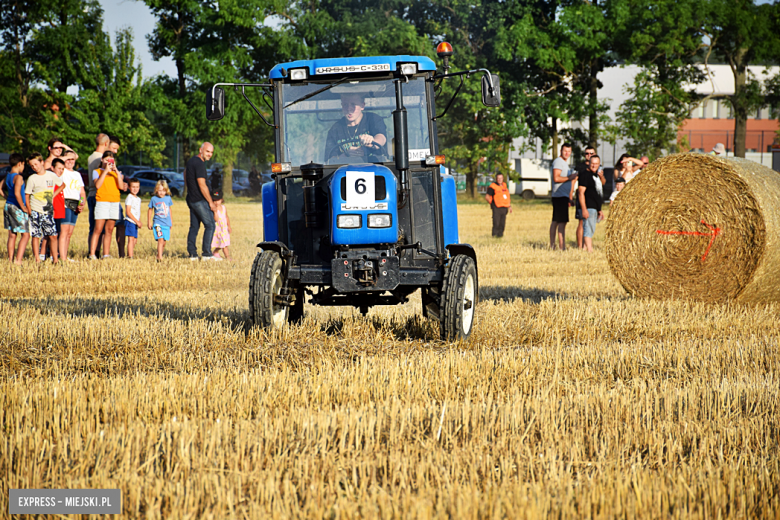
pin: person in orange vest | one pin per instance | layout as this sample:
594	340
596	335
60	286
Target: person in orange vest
498	198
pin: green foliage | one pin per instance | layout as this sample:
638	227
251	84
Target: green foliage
553	52
475	139
116	104
54	46
742	33
772	93
212	46
665	38
649	119
547	52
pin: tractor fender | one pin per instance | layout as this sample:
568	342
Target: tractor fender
284	253
279	247
465	249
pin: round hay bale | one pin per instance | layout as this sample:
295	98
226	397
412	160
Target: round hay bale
695	226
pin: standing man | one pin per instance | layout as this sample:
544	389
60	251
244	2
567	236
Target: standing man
93	163
113	144
581	169
200	203
590	199
254	181
562	177
498	198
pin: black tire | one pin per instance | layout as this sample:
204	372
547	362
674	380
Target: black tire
174	192
265	282
528	195
459	298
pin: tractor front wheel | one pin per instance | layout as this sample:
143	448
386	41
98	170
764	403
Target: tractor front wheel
265	287
459	294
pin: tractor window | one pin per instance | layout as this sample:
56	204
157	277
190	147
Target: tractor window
351	122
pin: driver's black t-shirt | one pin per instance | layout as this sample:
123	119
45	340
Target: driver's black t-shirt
342	137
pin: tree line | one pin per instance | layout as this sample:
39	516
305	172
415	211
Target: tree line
62	74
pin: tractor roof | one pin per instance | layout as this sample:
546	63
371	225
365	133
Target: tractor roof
327	66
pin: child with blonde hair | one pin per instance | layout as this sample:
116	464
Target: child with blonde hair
159	216
221	240
132	216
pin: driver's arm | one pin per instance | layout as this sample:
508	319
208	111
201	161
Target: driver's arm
380	139
377	132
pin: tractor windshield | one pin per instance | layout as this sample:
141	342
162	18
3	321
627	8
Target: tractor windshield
351	122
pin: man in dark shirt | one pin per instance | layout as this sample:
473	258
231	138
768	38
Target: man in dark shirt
581	169
590	199
360	135
200	203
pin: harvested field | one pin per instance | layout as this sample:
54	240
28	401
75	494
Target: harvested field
572	399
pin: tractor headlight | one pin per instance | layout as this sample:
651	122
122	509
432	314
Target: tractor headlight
348	221
408	69
299	74
380	220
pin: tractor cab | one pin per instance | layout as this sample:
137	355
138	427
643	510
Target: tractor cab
360	212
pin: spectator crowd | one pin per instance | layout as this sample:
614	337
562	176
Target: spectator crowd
46	196
580	186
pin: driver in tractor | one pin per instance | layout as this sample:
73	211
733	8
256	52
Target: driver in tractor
358	136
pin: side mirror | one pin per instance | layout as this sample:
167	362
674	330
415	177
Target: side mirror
215	103
491	99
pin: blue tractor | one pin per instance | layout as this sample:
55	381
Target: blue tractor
361	211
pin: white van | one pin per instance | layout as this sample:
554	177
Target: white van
535	178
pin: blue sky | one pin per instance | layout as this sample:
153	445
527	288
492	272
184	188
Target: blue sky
136	15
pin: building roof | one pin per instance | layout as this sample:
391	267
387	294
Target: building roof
720	80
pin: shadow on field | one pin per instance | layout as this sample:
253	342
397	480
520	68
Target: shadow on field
111	307
545	246
507	294
412	328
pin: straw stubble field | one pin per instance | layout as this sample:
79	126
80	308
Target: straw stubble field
571	400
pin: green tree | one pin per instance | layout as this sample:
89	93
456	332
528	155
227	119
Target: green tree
742	32
225	45
177	34
114	100
475	138
344	28
33	99
665	38
34	87
554	51
650	117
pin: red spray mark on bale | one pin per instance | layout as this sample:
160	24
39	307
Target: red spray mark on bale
714	232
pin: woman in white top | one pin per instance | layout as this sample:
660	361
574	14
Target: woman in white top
627	167
75	198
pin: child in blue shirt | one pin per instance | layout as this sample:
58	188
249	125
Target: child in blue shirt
159	216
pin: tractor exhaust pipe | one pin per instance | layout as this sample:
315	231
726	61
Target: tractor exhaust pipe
401	143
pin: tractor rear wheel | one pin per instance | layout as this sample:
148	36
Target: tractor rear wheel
265	285
459	294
